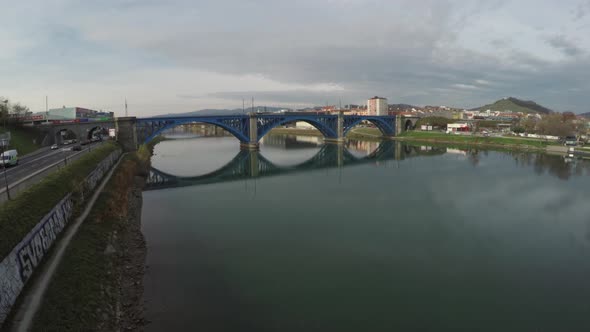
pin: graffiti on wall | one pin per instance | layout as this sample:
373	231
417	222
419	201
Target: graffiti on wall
17	268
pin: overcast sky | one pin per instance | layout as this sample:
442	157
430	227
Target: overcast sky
177	55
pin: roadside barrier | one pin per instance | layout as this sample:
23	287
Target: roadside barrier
24	183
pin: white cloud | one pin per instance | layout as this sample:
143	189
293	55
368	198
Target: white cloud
95	53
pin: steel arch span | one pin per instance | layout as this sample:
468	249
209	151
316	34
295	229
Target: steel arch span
386	124
250	128
149	128
326	123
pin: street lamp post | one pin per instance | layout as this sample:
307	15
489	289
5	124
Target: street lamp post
3	143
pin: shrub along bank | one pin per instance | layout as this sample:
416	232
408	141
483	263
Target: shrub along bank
99	281
20	215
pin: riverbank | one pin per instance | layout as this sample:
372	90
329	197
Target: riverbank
99	284
416	137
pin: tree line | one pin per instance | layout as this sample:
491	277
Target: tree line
10	110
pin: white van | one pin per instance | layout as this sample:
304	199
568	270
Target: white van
8	158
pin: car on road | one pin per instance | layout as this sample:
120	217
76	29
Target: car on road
9	158
54	147
77	148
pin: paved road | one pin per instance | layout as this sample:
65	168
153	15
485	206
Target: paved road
31	163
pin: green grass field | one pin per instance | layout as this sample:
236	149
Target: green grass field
443	137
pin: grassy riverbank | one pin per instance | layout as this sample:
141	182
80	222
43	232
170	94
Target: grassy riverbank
373	134
20	215
99	283
473	140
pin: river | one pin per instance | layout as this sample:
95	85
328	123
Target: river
396	238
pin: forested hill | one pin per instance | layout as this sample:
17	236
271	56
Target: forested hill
515	105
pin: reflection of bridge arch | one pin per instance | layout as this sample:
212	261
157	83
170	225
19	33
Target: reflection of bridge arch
248	164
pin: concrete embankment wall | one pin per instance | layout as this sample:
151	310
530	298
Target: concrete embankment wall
17	268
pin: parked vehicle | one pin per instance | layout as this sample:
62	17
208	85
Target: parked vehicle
9	158
77	148
571	141
54	147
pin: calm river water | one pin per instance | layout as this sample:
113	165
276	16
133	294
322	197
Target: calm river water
301	237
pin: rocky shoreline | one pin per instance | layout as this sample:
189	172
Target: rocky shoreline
131	268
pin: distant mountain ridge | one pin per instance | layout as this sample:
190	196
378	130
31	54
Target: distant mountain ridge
515	105
586	115
211	111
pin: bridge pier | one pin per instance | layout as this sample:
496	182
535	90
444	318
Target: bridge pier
252	144
399	127
126	132
253	165
339	139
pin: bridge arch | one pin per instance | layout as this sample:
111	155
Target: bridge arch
265	125
386	128
161	126
63	134
93	130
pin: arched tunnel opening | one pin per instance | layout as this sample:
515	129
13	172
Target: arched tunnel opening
65	137
97	133
408	125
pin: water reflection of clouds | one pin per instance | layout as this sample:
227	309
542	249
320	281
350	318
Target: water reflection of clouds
192	157
516	204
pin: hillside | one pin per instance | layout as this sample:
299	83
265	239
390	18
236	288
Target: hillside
586	115
515	105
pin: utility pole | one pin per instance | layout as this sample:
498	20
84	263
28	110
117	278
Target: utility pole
46	110
125	106
4	143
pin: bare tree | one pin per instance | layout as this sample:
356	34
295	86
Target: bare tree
556	124
18	111
529	125
4	111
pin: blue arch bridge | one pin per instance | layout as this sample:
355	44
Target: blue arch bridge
252	164
250	128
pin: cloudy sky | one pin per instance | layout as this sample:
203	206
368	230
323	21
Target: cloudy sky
184	55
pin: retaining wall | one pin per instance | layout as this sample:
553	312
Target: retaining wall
18	267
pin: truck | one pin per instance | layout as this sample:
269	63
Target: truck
9	158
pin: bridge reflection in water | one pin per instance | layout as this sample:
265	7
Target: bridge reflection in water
252	164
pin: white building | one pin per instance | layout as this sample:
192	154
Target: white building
377	106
